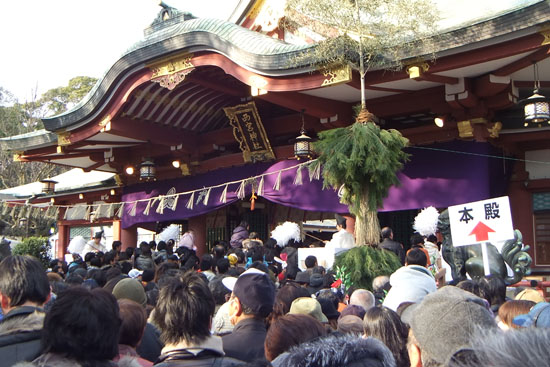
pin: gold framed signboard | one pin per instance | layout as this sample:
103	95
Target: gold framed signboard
249	132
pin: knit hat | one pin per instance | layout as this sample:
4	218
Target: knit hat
130	289
529	295
444	322
353	310
538	316
308	306
350	324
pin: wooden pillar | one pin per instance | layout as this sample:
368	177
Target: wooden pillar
128	236
117	230
63	233
198	225
521	205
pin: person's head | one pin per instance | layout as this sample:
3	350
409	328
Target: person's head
218	251
528	348
495	289
385	325
131	289
117	245
96	261
219	291
184	310
350	324
83	325
23	281
129	251
110	258
310	262
134	319
161	246
416	256
222	265
471	286
538	316
511	309
244	224
353	310
253	296
145	249
386	232
153	245
98	236
74	279
148	275
290	330
363	298
381	283
417	240
89	256
443	324
206	262
340	222
286	295
254	236
308	306
338	351
529	294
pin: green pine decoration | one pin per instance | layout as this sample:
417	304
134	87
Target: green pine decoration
364	263
364	160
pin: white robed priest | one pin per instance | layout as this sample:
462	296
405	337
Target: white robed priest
342	238
95	244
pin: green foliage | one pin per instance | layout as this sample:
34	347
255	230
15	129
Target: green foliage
364	263
38	247
361	156
58	100
380	32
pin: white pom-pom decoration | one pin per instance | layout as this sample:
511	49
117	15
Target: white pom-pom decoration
286	232
425	222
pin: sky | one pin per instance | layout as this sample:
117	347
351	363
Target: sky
45	43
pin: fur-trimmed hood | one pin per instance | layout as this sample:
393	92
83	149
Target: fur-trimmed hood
25	320
337	351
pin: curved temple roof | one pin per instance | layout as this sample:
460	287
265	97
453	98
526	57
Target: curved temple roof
252	50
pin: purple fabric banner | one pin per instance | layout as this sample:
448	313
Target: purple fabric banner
434	176
308	196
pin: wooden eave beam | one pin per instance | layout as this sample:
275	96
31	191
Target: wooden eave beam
322	108
153	132
423	100
524	62
431	77
217	86
467	58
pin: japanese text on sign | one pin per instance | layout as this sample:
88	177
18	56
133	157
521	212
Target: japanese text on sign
481	221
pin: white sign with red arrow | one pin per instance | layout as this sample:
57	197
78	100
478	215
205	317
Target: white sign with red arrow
481	221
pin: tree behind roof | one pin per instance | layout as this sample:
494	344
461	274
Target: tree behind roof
363	159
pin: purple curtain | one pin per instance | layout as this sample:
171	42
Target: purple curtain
437	177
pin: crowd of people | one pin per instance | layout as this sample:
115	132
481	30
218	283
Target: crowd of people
247	303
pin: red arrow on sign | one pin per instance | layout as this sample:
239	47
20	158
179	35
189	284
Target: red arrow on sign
481	231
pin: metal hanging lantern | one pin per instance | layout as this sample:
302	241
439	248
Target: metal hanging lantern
302	145
48	186
147	170
536	108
